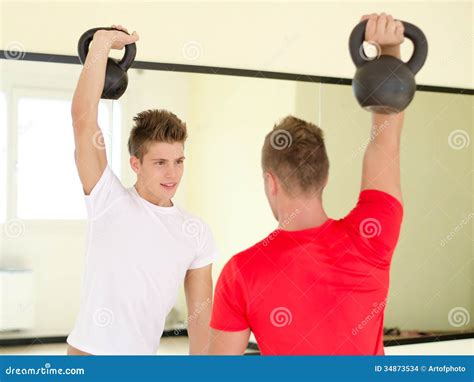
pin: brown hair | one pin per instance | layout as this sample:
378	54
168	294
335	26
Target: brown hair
295	153
155	125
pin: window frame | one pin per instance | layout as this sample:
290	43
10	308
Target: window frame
14	89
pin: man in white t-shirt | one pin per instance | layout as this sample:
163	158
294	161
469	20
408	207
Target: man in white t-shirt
140	246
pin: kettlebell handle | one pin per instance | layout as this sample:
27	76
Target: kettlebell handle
86	38
412	32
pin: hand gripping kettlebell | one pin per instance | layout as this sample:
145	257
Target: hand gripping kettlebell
386	84
116	78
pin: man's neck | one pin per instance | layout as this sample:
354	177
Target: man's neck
299	214
150	197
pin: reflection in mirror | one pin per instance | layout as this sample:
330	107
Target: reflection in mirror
431	274
43	213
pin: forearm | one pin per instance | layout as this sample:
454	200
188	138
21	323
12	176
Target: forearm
199	334
85	102
387	128
386	131
198	291
381	166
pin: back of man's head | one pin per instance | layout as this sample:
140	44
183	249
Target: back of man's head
294	152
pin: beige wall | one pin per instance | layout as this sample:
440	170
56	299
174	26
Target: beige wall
230	119
229	116
428	279
297	37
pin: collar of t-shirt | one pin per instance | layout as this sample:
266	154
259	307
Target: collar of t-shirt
166	210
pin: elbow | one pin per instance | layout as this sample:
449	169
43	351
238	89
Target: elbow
77	114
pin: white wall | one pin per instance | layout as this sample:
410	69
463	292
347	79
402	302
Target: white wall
297	37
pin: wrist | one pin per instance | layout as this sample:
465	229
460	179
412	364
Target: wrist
391	51
102	39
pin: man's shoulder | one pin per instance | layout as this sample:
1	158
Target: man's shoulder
191	222
248	256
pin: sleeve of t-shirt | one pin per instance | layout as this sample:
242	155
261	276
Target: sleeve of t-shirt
374	224
229	312
207	251
105	195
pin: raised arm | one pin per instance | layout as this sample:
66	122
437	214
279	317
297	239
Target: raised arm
90	154
381	166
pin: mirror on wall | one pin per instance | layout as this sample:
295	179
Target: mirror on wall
43	216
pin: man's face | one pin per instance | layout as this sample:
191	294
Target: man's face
162	168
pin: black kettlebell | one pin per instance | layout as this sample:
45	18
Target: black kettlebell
116	78
386	84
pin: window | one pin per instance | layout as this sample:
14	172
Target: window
48	185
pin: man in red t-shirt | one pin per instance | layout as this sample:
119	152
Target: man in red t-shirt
317	285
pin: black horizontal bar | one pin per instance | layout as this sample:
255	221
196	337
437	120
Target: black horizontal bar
169	67
427	339
21	341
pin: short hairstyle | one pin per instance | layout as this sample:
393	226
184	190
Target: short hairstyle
154	126
295	153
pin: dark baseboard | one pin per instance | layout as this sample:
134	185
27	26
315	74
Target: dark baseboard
426	339
26	341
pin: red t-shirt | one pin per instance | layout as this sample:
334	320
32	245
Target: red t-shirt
320	290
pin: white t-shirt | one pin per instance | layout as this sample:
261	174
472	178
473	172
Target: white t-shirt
137	257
